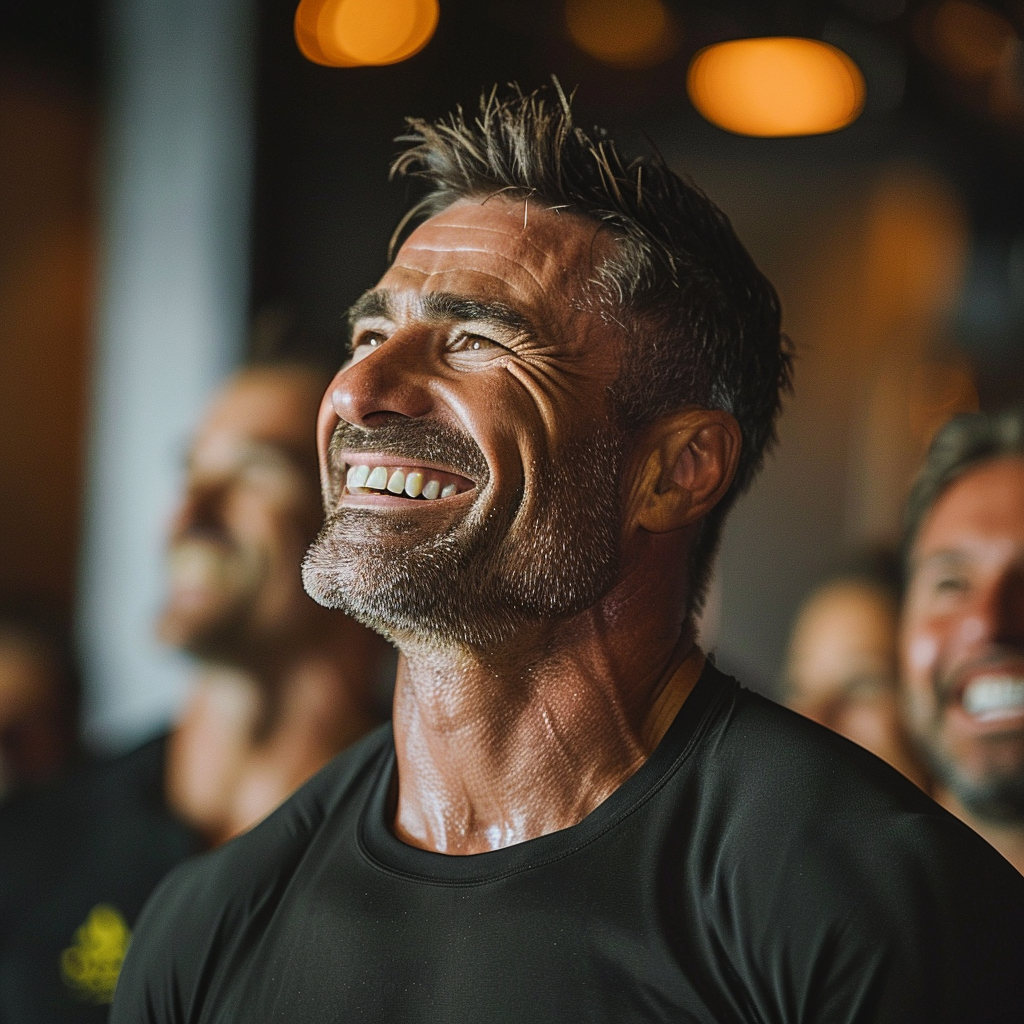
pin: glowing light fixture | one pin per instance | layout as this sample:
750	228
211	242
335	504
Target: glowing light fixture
623	33
349	33
776	86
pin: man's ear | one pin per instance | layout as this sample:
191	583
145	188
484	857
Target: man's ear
691	461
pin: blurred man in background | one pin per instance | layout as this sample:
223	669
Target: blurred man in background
281	686
962	642
842	664
39	700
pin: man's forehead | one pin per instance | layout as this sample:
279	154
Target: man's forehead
503	246
257	413
266	404
984	506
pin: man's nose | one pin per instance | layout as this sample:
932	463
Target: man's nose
200	508
393	380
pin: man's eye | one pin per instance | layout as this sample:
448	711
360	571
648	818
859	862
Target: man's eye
950	584
474	343
365	344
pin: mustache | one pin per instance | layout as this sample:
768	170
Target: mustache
414	440
206	535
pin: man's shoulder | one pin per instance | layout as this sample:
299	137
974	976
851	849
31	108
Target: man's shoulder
781	759
824	860
220	892
792	798
94	807
270	848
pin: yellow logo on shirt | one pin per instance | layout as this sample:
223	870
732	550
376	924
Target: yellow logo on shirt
92	964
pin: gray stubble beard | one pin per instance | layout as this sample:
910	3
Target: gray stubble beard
484	578
998	797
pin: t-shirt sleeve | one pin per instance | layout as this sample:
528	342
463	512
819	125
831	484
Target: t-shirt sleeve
940	931
917	920
832	891
158	980
190	933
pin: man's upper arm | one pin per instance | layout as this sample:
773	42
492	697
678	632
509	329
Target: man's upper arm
934	931
158	978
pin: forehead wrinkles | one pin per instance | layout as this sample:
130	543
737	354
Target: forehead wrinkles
491	238
460	252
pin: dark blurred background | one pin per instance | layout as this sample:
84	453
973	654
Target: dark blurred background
178	185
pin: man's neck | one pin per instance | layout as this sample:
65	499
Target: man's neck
245	743
494	750
1007	838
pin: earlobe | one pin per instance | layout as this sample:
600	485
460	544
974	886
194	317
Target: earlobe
691	463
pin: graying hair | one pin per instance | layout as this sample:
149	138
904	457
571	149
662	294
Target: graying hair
701	322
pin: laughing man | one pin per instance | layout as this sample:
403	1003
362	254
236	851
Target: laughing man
568	374
963	623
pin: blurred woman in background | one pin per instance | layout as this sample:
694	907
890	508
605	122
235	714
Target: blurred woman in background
841	665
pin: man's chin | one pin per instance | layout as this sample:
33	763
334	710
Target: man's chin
987	778
212	635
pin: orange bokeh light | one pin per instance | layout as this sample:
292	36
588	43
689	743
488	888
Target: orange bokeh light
623	33
971	41
350	33
773	87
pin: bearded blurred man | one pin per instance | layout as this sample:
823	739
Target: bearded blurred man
281	686
963	622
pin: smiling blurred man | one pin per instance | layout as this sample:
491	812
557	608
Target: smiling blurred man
281	685
963	626
554	394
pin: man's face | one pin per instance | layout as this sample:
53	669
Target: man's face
470	470
963	639
249	510
841	670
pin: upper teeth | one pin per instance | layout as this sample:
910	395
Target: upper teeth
994	696
396	481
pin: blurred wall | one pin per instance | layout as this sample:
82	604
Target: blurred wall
47	136
868	260
173	306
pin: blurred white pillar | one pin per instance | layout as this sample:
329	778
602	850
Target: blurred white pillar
173	299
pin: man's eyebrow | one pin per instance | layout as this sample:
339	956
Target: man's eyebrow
442	306
943	558
371	305
439	307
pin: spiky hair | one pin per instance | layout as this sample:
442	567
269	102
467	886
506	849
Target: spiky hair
702	323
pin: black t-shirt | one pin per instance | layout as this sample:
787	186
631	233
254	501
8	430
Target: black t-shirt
756	868
77	862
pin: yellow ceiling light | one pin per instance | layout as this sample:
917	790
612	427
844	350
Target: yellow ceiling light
774	87
349	33
623	33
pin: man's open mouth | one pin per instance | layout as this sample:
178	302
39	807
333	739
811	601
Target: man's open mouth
994	697
417	483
